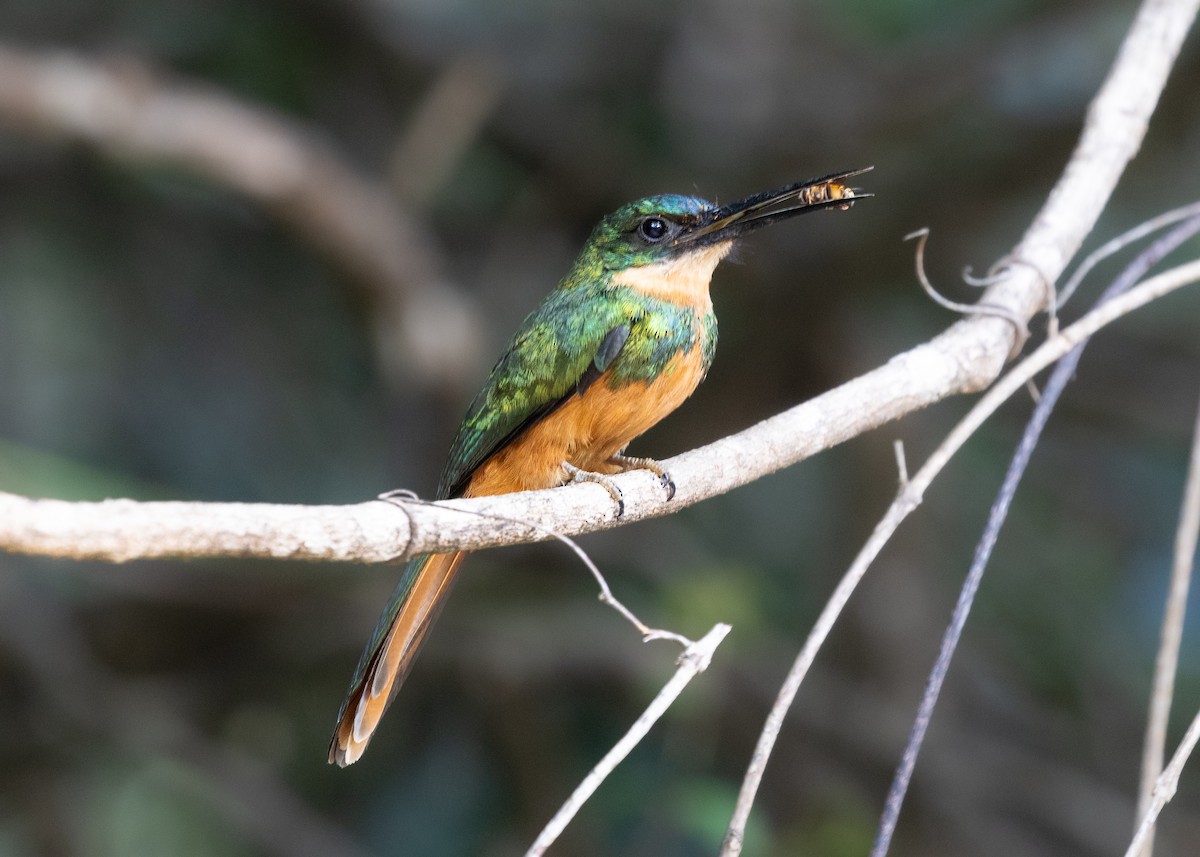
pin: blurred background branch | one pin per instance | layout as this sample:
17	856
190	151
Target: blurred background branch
130	112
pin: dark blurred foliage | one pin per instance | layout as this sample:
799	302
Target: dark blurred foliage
161	337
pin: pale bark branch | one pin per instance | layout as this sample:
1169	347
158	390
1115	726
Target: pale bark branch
964	358
121	530
371	532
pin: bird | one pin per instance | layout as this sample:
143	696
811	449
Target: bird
622	340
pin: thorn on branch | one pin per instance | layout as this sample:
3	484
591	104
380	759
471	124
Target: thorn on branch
901	464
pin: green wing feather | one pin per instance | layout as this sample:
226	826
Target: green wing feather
564	345
556	348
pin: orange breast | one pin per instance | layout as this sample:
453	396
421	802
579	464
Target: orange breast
587	430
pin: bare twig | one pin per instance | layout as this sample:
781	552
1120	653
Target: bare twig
1059	378
910	497
1164	788
691	663
129	112
901	463
1116	245
1172	633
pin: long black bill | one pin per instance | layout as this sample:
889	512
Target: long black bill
762	209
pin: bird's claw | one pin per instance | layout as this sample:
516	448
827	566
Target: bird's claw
627	463
576	476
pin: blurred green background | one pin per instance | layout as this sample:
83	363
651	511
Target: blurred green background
166	335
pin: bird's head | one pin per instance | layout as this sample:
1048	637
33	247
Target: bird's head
687	236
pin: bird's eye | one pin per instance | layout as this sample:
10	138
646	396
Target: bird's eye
653	229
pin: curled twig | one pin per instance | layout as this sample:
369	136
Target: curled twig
1019	327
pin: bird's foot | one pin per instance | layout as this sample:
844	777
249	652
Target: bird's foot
627	463
575	475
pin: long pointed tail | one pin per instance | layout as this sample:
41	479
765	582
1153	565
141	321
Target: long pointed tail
389	655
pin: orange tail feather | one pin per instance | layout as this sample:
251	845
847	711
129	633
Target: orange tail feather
390	654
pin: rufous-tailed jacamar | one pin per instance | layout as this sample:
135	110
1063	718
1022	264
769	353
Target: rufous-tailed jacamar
621	342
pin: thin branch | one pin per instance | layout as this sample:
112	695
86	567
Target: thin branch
1164	788
901	463
691	663
129	112
1166	662
908	499
1057	383
1115	245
